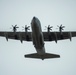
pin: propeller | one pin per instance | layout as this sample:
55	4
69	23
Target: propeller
26	28
61	27
15	27
49	28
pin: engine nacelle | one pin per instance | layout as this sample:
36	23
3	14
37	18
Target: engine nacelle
20	37
61	36
70	36
55	37
6	36
27	37
33	39
49	36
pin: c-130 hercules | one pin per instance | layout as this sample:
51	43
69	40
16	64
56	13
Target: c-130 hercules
38	37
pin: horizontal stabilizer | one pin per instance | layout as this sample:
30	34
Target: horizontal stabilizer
43	56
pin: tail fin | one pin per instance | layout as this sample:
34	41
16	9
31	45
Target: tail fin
43	56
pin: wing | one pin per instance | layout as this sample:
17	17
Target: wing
22	36
54	36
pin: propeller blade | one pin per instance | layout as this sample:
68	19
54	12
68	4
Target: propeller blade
28	26
12	26
22	27
45	26
58	26
63	27
28	29
49	27
25	25
15	25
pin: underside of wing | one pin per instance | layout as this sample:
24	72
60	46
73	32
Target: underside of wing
52	36
22	36
55	36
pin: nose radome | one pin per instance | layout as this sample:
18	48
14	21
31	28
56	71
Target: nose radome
34	17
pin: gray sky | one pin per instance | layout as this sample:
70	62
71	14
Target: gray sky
53	12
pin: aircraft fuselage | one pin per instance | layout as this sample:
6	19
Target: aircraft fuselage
37	36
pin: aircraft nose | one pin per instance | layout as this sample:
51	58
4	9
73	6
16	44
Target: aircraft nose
34	21
34	18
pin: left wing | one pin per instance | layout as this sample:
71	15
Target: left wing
22	36
54	36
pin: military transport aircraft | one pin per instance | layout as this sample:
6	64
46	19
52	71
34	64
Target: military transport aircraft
38	37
